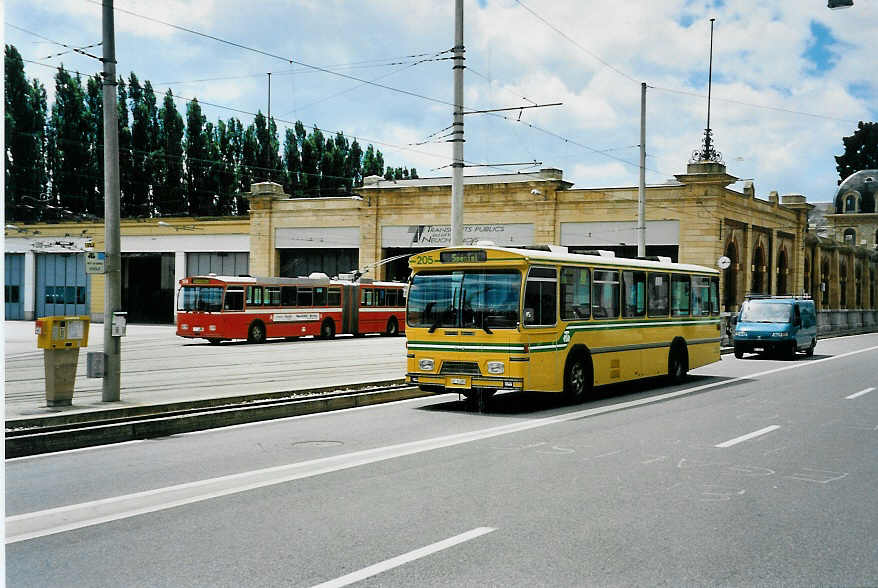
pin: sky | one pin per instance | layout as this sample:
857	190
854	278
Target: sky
790	79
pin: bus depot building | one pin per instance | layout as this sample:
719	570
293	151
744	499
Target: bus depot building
695	218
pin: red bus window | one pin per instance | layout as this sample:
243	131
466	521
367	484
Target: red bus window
234	299
382	297
305	297
319	296
254	295
367	298
272	296
391	297
334	297
288	296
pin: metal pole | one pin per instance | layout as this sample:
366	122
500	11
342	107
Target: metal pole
113	277
268	134
641	190
457	132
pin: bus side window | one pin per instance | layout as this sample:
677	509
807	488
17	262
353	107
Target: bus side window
714	296
658	288
382	297
334	297
234	299
366	298
288	296
540	298
700	296
634	288
305	297
272	296
605	294
254	295
680	287
575	293
391	297
319	296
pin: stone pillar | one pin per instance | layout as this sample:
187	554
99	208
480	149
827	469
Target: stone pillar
772	257
747	258
263	256
835	280
816	290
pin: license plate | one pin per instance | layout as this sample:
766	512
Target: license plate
197	329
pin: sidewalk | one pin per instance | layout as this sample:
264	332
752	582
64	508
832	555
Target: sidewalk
159	368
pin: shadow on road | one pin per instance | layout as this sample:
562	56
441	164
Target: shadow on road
534	403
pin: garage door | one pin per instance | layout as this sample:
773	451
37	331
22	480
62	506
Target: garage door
13	286
62	284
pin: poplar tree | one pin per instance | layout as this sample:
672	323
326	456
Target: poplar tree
292	164
94	106
197	156
170	198
69	133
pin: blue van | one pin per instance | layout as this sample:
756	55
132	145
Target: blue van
776	324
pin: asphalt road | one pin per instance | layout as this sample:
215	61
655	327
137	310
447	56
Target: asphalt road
753	472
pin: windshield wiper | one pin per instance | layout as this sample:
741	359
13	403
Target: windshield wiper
436	324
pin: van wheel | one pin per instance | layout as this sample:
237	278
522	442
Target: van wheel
810	351
791	351
327	329
739	353
256	334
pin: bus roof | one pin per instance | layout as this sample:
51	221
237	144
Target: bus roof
556	254
303	280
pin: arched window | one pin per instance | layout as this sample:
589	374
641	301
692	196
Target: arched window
850	202
758	284
782	269
850	236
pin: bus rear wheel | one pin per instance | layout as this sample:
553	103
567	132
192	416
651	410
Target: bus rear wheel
256	334
327	329
677	364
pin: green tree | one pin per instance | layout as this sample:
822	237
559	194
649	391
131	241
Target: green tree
25	120
860	151
353	166
170	197
248	174
312	152
196	145
414	174
227	152
94	106
70	157
144	151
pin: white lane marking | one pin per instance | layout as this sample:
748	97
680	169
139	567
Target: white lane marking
860	393
76	516
747	437
405	558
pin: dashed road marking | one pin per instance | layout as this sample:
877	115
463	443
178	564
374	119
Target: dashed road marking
747	437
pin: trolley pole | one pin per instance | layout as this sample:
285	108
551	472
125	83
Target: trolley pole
113	277
457	132
641	190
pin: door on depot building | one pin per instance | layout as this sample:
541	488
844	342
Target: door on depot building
62	284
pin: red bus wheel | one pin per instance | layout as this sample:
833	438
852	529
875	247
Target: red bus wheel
327	329
392	329
256	334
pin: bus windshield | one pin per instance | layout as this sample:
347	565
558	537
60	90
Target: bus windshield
206	298
765	312
481	299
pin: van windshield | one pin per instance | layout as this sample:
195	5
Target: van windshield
765	312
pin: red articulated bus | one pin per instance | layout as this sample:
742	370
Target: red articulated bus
219	308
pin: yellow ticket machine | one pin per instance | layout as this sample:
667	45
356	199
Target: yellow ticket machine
60	338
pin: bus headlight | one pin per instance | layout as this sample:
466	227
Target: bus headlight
425	365
495	367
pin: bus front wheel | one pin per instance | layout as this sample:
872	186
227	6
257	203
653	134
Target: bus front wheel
677	364
256	334
577	380
392	329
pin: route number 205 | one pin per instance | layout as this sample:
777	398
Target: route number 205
424	260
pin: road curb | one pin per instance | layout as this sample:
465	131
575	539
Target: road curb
104	434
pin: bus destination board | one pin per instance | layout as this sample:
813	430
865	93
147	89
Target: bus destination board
471	256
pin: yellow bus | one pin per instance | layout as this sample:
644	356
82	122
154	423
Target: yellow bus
483	319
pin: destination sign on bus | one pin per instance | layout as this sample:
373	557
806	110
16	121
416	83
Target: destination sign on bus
472	256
